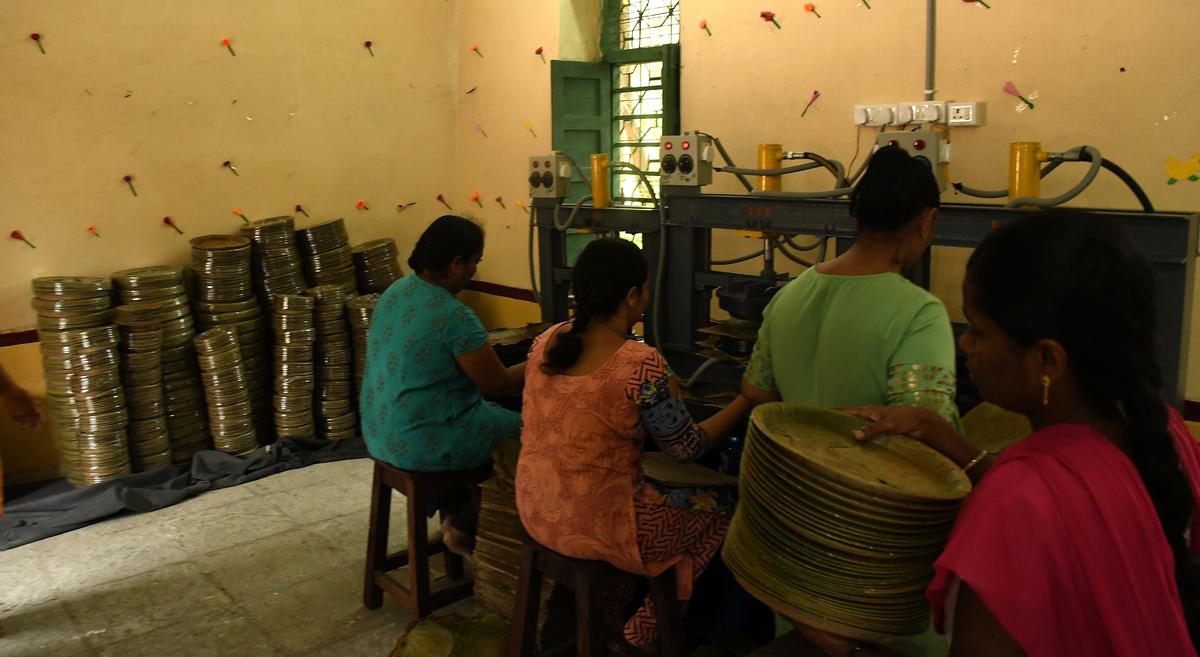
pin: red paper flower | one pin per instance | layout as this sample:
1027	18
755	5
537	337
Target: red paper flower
361	205
127	178
300	209
225	42
167	221
35	36
442	199
769	17
538	51
92	230
367	45
17	235
500	200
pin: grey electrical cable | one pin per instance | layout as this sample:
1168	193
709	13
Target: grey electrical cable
691	381
1093	170
734	261
1057	160
772	172
578	169
571	217
728	160
656	312
835	167
537	295
832	193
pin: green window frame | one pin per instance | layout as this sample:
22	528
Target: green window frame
621	105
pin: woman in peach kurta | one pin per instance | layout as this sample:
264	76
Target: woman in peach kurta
592	396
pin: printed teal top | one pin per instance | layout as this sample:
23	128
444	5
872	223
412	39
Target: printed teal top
420	411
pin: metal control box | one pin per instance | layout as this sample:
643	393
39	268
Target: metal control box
929	146
686	160
549	176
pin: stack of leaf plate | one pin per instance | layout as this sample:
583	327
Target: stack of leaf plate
839	534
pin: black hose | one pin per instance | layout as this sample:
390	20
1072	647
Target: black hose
1132	184
734	261
793	257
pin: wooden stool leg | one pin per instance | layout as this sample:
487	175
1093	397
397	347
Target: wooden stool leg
418	552
377	539
454	563
589	633
525	612
667	610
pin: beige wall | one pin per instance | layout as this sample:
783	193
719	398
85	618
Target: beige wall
303	110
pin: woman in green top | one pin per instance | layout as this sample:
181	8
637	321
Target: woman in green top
853	330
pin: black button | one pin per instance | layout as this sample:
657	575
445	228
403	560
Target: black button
548	180
668	164
535	179
686	164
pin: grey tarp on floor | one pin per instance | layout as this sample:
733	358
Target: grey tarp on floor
58	507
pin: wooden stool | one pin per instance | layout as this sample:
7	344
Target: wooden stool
419	488
589	580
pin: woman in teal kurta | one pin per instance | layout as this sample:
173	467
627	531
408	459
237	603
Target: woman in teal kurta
429	363
854	331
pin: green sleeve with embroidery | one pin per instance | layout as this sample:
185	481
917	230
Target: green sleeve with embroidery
922	371
759	372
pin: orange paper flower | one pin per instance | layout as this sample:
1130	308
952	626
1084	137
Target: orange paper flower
812	9
361	205
475	49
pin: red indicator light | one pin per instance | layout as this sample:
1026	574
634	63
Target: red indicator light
685	145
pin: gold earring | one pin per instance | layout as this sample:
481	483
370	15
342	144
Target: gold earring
1045	390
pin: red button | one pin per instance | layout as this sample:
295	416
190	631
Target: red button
668	146
547	164
685	145
536	165
893	143
919	144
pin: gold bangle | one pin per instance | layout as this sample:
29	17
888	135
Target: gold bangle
983	453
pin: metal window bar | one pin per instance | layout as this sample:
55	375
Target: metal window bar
648	23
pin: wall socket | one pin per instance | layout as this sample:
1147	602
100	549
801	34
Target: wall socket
964	113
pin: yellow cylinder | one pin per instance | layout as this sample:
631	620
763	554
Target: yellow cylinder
601	187
1024	169
770	156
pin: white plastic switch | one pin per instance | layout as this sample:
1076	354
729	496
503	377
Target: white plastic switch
964	113
874	115
922	111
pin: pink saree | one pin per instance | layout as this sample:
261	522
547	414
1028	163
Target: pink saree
1061	542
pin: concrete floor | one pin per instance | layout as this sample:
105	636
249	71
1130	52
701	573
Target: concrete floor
273	567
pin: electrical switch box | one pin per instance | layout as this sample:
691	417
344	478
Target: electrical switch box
875	115
928	146
549	176
686	160
921	111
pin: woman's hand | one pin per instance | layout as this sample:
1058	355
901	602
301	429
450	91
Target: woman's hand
920	423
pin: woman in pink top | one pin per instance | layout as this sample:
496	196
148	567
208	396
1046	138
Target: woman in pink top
1074	541
592	396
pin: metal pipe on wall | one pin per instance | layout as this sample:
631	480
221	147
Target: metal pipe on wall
930	42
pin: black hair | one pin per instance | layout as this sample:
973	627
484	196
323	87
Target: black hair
447	238
1077	278
893	192
604	273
